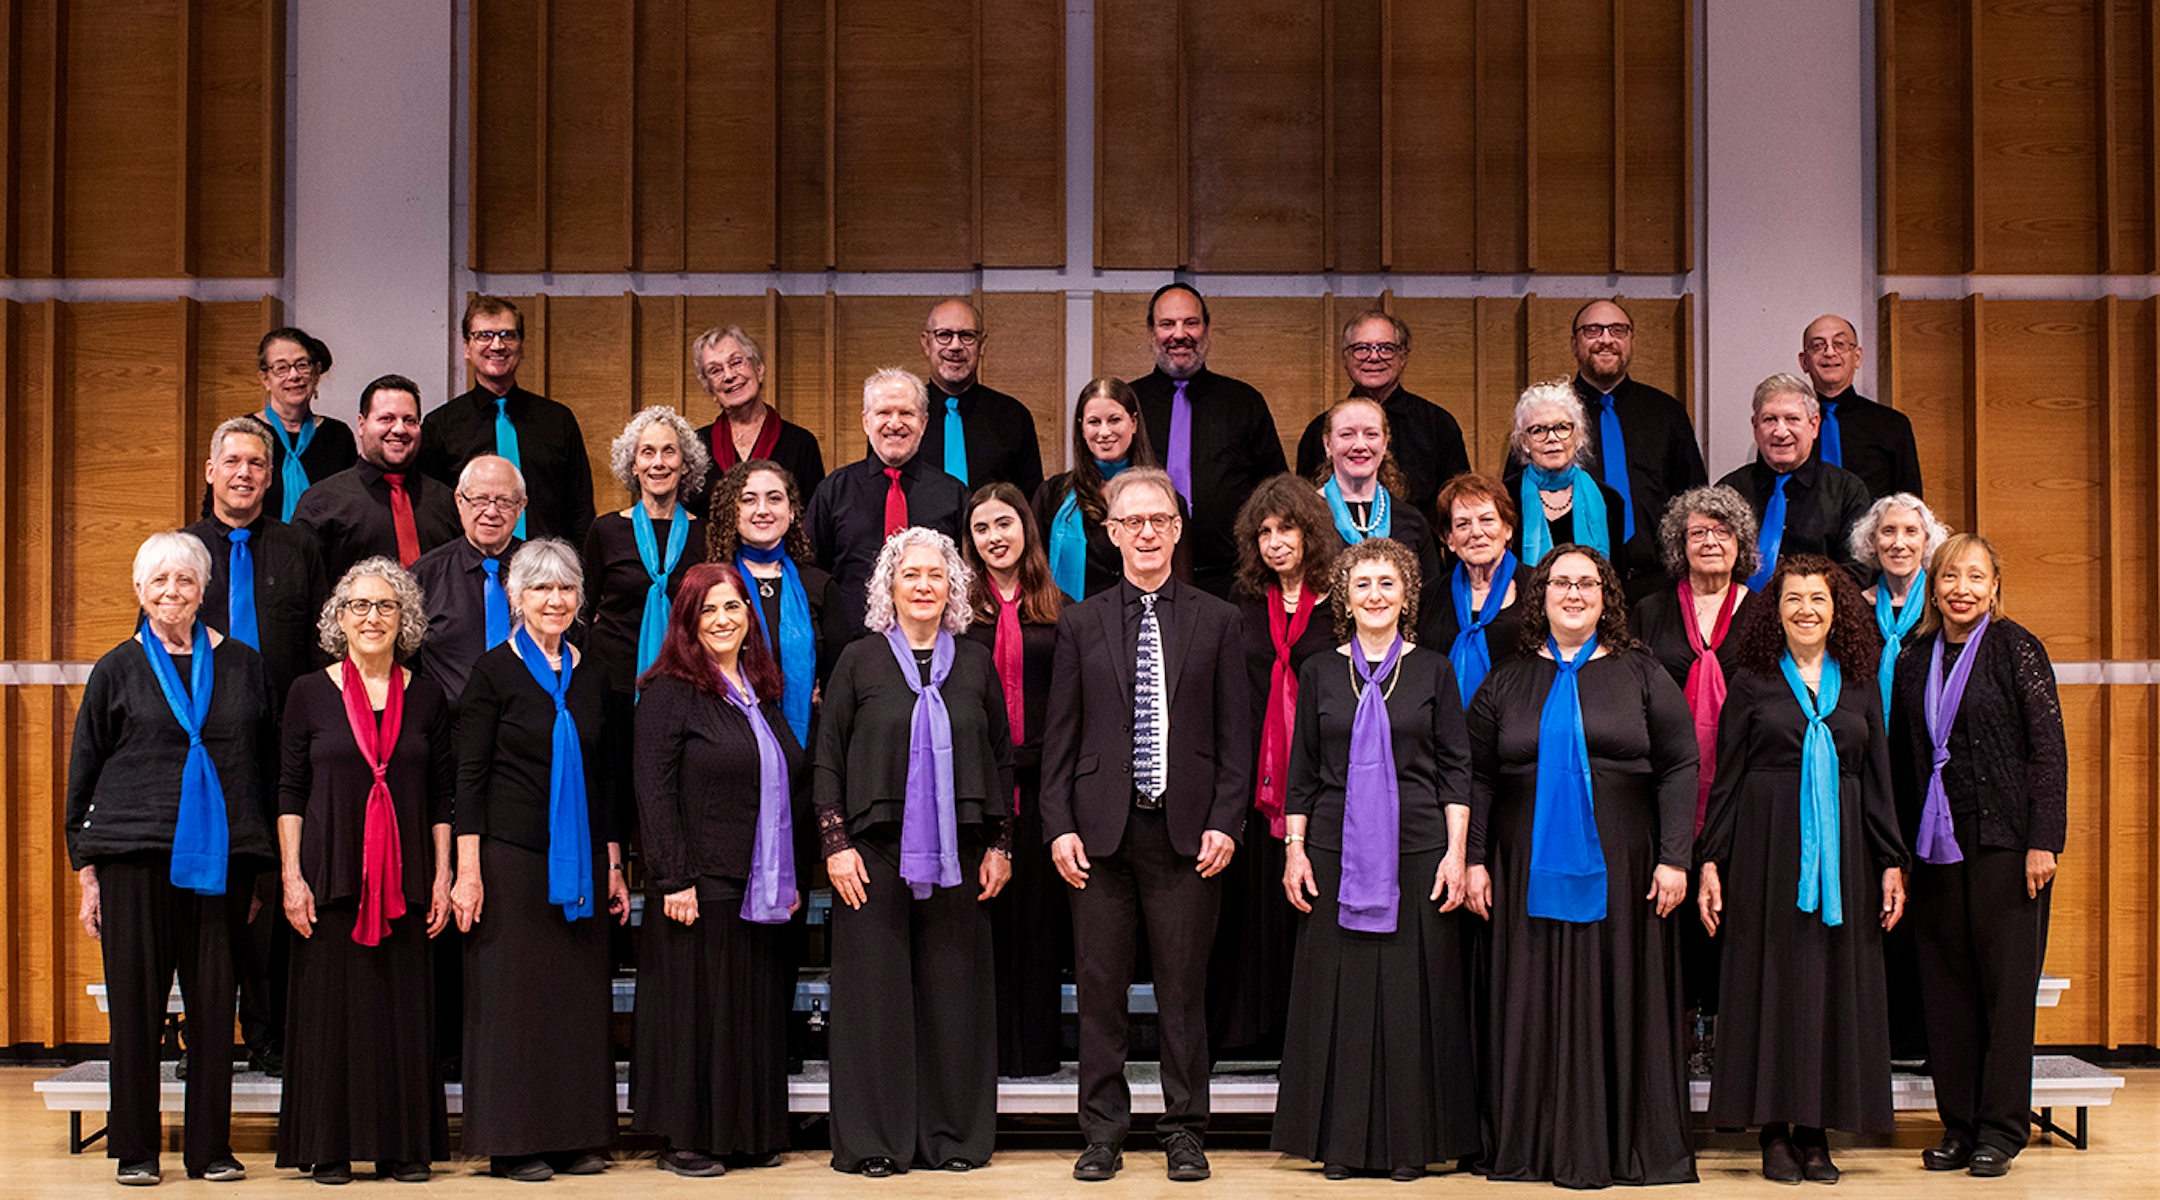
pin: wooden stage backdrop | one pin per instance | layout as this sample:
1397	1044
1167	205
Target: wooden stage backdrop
1282	136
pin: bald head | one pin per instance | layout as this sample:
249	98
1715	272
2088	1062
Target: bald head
1604	343
952	342
490	497
1830	354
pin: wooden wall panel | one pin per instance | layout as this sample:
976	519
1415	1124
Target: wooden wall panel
747	135
1572	143
2037	108
1140	134
1653	206
1432	216
1256	76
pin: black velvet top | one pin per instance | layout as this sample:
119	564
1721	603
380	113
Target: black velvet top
325	781
1425	724
506	749
696	773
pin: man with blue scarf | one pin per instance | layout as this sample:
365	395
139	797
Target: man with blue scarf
1873	441
977	434
1642	438
1803	505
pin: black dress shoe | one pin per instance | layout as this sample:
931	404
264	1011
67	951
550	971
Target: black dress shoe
1815	1164
1335	1171
1187	1163
1100	1162
1951	1155
1988	1162
1780	1161
337	1173
1407	1174
691	1164
956	1164
583	1162
405	1172
533	1169
751	1162
879	1168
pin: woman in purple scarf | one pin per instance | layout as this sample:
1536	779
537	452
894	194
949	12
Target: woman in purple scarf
913	795
722	794
1377	1070
1981	774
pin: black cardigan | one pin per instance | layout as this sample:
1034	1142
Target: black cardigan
506	725
696	771
2008	759
124	767
325	781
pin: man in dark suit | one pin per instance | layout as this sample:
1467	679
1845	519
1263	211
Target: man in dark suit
1146	774
1872	440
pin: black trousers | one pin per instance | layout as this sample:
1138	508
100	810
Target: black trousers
150	929
914	1018
1145	882
1980	942
261	960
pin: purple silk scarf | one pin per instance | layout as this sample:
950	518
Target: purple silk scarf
1372	809
771	891
1937	840
929	830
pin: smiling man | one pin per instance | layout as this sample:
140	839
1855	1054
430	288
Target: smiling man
864	502
1873	441
381	504
467	609
1427	440
538	435
1803	504
1655	457
977	434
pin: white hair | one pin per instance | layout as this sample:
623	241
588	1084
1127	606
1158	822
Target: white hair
541	562
517	476
887	376
172	548
879	614
1862	539
1785	383
622	452
1560	394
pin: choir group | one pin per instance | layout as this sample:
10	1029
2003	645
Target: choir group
1492	808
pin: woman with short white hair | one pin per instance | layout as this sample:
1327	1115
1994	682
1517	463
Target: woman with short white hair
1561	501
913	795
165	829
635	558
540	828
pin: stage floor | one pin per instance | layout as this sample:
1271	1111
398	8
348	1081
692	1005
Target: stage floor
1036	1157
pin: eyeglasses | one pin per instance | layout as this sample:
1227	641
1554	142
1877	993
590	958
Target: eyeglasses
297	367
501	337
1841	344
1699	536
1560	430
1581	587
1373	351
508	504
718	369
361	608
946	337
1618	329
1159	522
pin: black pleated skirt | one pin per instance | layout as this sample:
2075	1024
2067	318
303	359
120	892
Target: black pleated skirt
539	1068
1031	928
1587	1071
1248	993
360	1078
709	1071
1377	1067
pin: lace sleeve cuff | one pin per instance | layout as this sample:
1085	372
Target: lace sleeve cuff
832	832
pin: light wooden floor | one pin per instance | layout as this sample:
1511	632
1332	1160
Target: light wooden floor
36	1163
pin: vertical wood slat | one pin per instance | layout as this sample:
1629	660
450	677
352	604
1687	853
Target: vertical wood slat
43	598
10	146
1619	136
272	215
1478	174
1530	135
188	117
832	133
2110	371
1387	142
1886	142
772	143
1974	243
1975	401
543	20
1886	336
55	142
1684	356
2104	93
2152	521
1327	135
631	234
1687	136
1184	139
975	144
536	325
2152	227
187	376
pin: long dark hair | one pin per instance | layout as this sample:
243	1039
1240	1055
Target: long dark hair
1613	633
1292	501
723	531
683	657
1853	641
1085	479
1040	600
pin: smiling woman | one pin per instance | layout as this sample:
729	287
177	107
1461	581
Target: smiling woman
635	558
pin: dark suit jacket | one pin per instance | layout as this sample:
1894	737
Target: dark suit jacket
1087	783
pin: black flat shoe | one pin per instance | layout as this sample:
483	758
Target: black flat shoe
878	1168
1099	1163
584	1162
224	1170
525	1170
691	1164
1988	1162
956	1164
137	1174
1780	1161
405	1172
1815	1164
1951	1155
1407	1174
752	1162
335	1173
1335	1171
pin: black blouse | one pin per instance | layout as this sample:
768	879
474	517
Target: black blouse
1635	722
1038	647
2009	765
1425	724
506	748
865	727
1661	622
325	781
824	597
1563	526
795	449
696	771
1438	628
125	763
1259	645
615	584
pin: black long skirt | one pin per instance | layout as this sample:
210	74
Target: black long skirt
1587	1067
709	1071
1031	928
1377	1070
1248	992
1803	1027
360	1062
539	1070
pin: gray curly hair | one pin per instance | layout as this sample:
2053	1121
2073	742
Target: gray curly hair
622	452
1720	504
1862	539
1560	394
412	606
879	614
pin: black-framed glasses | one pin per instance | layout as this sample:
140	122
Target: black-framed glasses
360	608
946	337
1618	329
1559	429
302	367
1374	351
500	337
508	504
